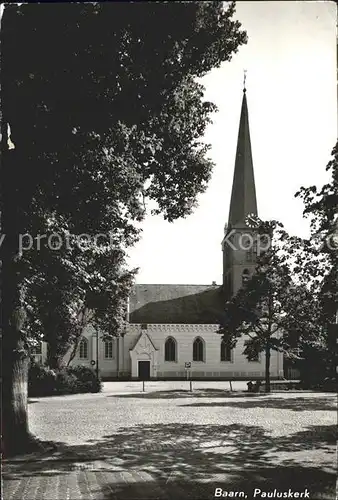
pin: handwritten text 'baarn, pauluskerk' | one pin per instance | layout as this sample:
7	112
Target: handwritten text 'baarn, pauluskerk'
258	493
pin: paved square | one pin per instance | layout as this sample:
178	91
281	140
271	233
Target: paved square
168	442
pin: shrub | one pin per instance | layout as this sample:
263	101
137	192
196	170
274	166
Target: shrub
87	379
317	370
330	384
66	383
42	381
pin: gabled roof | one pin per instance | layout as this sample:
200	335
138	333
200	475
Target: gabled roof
174	304
139	337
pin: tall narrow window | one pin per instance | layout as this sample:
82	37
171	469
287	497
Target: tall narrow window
198	350
225	351
170	349
108	349
83	349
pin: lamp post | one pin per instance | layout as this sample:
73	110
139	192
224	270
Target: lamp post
97	354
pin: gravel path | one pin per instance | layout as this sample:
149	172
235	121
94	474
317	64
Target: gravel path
125	443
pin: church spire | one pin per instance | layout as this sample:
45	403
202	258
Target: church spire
243	196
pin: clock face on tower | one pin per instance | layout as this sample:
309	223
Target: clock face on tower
252	220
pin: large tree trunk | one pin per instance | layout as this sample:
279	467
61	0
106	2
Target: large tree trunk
15	361
15	432
16	438
267	368
16	435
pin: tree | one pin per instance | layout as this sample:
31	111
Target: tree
274	309
321	207
321	266
256	308
69	293
104	110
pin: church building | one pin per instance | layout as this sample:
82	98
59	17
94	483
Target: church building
173	328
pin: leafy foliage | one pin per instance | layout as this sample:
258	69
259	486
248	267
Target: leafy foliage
290	303
321	207
276	309
43	381
321	269
108	118
86	378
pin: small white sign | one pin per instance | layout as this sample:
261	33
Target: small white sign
187	365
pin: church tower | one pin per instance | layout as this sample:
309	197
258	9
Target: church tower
238	244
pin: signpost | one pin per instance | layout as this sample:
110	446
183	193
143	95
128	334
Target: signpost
187	366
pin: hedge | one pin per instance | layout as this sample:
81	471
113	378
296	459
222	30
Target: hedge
42	381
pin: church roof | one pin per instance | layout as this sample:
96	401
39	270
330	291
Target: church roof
187	304
243	196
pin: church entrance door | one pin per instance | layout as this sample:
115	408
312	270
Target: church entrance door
144	370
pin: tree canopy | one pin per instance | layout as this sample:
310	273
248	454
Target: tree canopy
105	113
290	304
321	208
103	110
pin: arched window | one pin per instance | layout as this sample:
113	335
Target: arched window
170	349
108	349
83	349
225	351
245	276
198	350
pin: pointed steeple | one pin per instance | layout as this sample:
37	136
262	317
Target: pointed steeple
243	196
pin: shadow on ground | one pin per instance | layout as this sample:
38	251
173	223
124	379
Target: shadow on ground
181	393
261	401
265	479
190	461
252	400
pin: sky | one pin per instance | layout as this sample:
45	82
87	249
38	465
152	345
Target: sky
291	82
